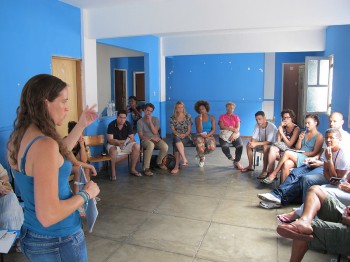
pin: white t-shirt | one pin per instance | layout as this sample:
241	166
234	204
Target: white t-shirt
340	159
265	134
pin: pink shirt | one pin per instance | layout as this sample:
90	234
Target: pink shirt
231	120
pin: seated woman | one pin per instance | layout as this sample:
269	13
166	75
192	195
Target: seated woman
180	124
205	127
287	133
229	134
309	141
11	213
80	149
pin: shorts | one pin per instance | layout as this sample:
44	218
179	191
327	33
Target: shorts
126	150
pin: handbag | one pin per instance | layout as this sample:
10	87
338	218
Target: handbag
281	145
226	135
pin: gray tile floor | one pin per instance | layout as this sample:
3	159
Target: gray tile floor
201	214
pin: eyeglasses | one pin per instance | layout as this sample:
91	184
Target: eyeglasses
286	117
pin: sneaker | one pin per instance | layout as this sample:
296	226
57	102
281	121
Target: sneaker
270	198
201	164
148	172
269	205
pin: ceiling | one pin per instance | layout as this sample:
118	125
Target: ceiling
244	26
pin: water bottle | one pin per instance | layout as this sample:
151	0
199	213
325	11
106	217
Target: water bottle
257	160
109	109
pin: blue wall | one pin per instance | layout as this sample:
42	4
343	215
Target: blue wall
131	65
217	78
337	44
31	33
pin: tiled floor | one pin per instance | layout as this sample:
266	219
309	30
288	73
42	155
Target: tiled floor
201	214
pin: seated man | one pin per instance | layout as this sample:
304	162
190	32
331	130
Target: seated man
263	136
334	164
328	232
120	138
148	130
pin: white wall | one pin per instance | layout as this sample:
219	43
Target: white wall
104	55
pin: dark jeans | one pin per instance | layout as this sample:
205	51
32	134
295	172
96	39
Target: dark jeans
292	188
225	147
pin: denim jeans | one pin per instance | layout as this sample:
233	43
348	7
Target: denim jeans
313	179
37	247
225	147
292	188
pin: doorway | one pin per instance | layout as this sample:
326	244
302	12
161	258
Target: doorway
292	85
139	85
69	70
120	89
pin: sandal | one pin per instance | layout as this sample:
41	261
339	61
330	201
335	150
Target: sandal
247	169
184	164
292	231
113	178
238	166
262	175
269	205
268	180
135	173
284	219
174	171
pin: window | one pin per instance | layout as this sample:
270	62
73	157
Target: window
318	84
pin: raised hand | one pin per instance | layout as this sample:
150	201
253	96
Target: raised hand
88	116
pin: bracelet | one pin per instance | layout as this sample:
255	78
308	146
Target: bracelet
86	197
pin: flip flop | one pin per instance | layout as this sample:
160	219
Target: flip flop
246	169
238	166
184	164
269	205
136	174
268	180
113	178
284	219
290	231
174	171
262	175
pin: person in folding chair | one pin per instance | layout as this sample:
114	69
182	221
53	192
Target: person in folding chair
264	135
148	130
120	137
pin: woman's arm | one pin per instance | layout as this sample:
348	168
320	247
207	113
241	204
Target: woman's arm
199	126
43	163
88	116
82	151
293	139
213	126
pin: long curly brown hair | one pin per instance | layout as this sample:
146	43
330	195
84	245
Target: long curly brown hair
33	110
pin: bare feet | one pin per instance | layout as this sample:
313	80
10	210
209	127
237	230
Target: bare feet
174	171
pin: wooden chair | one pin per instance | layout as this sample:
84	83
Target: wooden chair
96	141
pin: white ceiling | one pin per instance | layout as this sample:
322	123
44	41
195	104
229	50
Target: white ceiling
217	26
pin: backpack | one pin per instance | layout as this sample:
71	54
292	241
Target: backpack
169	161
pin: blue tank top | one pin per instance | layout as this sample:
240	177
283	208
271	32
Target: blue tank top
207	126
67	226
308	146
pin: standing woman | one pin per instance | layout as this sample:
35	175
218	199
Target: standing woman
52	229
309	141
180	124
287	133
205	127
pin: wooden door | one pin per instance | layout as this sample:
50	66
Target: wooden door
291	86
68	70
139	85
120	89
